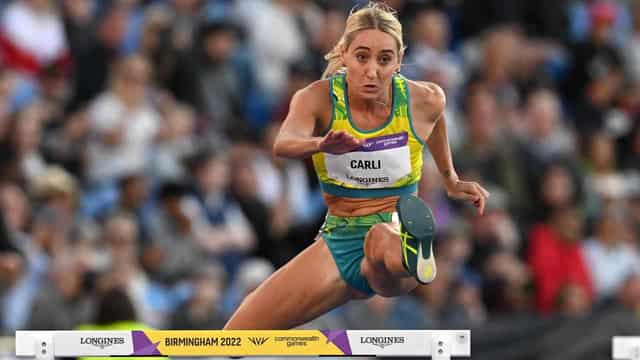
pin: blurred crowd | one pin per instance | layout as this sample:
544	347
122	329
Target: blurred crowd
136	162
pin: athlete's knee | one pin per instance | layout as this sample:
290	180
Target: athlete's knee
376	241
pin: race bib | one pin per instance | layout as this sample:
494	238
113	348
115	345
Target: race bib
378	163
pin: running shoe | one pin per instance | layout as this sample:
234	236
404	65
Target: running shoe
417	232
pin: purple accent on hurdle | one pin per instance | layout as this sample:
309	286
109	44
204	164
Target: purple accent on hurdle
142	345
339	338
385	142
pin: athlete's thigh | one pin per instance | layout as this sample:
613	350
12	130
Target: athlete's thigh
303	289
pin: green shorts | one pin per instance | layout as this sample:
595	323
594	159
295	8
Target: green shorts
345	238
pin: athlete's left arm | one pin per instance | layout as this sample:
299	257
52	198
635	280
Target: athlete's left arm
438	143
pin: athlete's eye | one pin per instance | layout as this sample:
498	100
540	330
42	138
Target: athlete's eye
361	57
384	60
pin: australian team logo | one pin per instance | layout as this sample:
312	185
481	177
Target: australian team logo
258	341
102	342
382	341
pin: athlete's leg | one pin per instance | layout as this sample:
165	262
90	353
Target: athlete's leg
394	251
305	288
382	262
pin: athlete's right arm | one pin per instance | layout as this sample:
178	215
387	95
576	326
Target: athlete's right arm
296	140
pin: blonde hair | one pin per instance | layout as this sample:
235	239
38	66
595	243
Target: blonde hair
376	16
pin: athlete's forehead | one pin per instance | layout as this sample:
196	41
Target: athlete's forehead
373	40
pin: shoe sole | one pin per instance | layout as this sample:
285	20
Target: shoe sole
417	221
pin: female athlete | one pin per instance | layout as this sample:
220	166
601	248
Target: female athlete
365	127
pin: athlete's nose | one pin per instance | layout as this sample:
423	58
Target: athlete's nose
371	72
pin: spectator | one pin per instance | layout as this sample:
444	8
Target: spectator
477	17
113	311
244	189
611	260
603	180
546	138
174	251
32	36
556	187
629	293
332	28
123	123
187	16
466	307
78	18
175	141
209	80
203	309
496	66
294	207
226	233
12	261
24	159
134	201
276	31
27	272
430	59
16	211
505	288
60	305
487	155
556	258
493	233
66	143
597	69
121	265
94	59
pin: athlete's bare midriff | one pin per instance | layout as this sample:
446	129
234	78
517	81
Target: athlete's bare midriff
347	207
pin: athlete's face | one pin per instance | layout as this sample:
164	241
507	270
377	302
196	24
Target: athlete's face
371	59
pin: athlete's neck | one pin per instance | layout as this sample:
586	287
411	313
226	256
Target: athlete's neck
382	103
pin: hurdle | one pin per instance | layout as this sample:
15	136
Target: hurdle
625	348
438	344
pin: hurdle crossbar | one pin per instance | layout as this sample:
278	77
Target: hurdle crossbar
438	344
625	348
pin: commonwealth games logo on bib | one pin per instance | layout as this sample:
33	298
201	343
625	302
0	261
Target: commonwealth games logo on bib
378	163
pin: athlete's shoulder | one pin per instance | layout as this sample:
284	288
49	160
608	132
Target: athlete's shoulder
428	94
315	88
313	97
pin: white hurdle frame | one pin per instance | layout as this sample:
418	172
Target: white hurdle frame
48	345
625	348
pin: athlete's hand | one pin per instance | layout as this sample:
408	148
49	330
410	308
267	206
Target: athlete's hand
339	142
469	191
